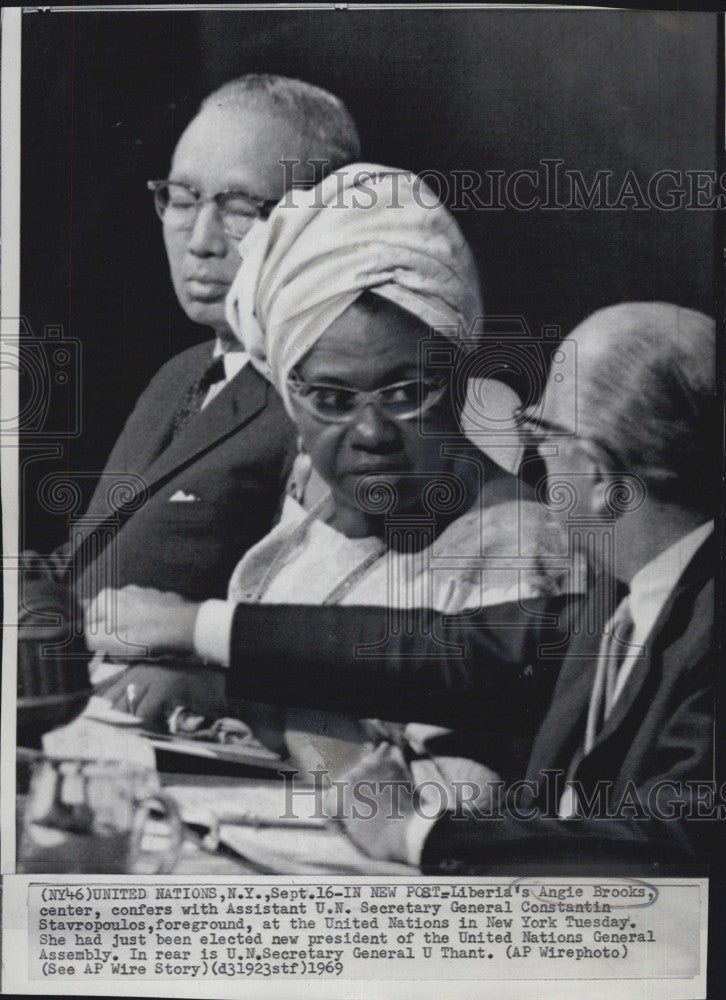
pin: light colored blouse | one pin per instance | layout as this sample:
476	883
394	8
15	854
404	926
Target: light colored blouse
488	555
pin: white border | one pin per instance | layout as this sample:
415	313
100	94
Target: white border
9	403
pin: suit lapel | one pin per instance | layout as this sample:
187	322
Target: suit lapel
161	411
239	401
563	729
159	429
694	575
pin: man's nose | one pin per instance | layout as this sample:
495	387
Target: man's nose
207	237
371	429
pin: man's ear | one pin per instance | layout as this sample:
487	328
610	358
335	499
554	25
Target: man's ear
605	483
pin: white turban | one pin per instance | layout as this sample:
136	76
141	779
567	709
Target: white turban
363	227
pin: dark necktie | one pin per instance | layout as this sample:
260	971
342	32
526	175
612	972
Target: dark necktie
613	649
195	395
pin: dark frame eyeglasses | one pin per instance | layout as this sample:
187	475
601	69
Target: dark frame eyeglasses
177	205
339	404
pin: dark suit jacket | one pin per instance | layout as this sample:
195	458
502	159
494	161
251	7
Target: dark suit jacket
233	457
498	672
660	731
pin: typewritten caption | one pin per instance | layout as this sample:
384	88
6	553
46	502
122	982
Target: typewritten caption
520	928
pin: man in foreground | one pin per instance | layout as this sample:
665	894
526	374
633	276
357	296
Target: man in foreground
630	724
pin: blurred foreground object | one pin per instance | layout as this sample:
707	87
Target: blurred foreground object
95	805
53	683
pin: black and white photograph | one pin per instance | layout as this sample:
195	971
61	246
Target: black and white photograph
362	477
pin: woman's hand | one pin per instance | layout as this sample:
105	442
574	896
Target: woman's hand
137	621
159	689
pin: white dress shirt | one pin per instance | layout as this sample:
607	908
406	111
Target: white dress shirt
234	362
650	588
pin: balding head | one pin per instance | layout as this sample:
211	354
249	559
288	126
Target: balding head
324	124
645	387
237	142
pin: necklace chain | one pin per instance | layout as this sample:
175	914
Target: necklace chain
295	537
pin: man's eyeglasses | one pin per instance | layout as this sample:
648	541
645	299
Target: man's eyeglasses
536	428
538	431
177	205
336	404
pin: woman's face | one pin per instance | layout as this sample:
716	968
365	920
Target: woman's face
366	348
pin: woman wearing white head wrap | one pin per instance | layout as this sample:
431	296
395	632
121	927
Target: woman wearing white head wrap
335	302
364	227
362	266
336	294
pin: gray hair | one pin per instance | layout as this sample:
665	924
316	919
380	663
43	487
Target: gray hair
647	389
321	117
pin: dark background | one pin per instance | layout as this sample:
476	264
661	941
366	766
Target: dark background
105	96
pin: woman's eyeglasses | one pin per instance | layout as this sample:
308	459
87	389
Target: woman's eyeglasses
338	404
177	205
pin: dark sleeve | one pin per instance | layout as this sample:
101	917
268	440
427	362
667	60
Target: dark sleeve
371	661
666	816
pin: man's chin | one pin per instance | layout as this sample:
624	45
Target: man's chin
206	313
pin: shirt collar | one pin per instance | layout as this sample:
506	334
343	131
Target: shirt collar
651	585
234	360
